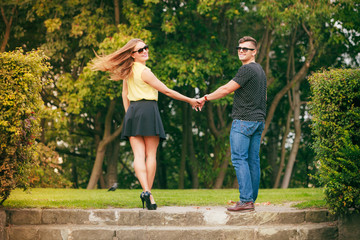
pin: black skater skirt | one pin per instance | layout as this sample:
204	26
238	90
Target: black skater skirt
143	119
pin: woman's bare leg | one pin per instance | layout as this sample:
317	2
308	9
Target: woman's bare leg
138	146
151	145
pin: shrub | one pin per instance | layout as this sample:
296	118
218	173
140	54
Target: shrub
20	86
335	108
46	172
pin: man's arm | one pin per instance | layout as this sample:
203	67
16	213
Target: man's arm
222	91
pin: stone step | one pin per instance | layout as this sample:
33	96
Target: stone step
166	216
251	232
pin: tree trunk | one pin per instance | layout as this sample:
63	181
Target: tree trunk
8	24
296	143
211	121
117	12
102	181
265	53
74	174
97	168
272	152
290	71
224	165
112	163
300	75
283	149
219	133
183	147
97	128
235	183
191	151
161	169
100	153
263	45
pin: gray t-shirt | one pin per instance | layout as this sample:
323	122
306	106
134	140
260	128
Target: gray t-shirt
250	99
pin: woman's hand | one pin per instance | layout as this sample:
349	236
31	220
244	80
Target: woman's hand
195	104
201	102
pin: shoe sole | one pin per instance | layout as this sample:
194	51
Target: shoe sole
245	210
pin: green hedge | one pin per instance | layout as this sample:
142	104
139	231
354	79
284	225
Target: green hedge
335	108
20	85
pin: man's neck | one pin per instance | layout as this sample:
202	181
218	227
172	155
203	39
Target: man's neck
247	62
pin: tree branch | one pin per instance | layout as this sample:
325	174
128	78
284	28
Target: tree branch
213	129
4	17
301	74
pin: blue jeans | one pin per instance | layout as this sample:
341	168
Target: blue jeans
245	137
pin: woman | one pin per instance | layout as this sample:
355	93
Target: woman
142	125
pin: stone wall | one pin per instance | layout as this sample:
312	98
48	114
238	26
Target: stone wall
263	224
349	227
2	223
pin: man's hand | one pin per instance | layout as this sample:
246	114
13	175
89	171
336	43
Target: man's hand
195	105
201	102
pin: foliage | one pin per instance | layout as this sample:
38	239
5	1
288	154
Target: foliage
94	88
20	101
346	29
74	31
46	171
192	50
335	108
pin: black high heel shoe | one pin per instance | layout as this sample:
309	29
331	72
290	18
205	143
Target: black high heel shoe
142	198
149	205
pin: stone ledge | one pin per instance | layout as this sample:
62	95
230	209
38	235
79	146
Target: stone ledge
24	216
88	232
167	216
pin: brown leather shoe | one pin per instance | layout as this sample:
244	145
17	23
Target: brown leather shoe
242	206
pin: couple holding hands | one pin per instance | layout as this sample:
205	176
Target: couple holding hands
144	129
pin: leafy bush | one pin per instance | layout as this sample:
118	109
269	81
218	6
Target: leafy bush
335	108
20	101
46	172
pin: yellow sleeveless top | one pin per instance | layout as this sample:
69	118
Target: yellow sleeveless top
137	88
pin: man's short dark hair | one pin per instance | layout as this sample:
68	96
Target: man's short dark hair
248	39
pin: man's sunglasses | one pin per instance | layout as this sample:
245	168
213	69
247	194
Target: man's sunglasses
244	49
146	47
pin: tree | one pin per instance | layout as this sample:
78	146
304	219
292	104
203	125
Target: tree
192	49
121	38
16	16
8	17
76	29
301	21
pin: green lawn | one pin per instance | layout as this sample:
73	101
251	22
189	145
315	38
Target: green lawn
121	198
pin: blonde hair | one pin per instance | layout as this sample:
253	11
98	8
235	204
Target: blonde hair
118	63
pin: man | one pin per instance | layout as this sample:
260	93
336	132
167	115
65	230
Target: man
248	113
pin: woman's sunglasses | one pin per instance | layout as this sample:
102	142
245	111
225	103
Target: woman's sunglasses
146	47
244	49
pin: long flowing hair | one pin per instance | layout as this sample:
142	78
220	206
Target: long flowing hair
118	63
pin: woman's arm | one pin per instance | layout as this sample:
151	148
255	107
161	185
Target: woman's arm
126	101
153	81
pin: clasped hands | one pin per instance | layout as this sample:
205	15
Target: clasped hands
197	103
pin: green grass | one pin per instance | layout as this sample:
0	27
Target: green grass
121	198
